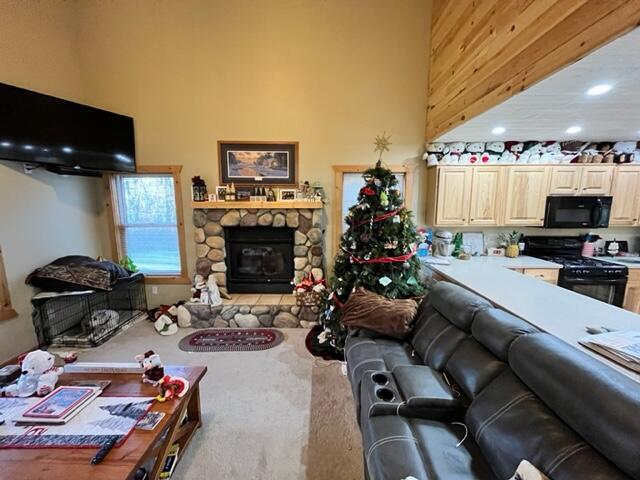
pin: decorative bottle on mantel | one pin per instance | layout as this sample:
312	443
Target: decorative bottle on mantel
233	192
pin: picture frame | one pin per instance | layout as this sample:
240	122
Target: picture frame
243	194
221	193
258	163
287	194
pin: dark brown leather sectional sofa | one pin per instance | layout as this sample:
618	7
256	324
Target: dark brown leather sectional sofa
475	390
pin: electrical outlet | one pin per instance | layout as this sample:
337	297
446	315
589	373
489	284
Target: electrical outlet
154	290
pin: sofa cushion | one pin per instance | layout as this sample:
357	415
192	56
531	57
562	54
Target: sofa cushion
496	329
472	367
457	304
509	423
435	338
391	450
443	458
605	405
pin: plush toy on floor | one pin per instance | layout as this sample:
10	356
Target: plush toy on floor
152	366
172	387
166	317
39	375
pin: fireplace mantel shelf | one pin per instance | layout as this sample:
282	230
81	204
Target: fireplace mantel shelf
297	204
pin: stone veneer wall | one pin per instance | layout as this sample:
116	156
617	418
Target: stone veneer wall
308	251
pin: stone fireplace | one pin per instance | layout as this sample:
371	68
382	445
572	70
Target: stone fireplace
214	227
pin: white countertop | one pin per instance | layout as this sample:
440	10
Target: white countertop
556	310
616	260
522	261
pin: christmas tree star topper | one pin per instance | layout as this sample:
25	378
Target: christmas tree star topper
382	144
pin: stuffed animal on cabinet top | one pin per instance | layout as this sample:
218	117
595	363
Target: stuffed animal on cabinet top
452	157
39	375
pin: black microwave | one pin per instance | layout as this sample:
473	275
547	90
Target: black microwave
577	212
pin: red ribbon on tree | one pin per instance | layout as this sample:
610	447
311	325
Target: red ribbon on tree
401	258
379	218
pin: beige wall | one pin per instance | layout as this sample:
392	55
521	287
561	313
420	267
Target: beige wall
43	216
330	74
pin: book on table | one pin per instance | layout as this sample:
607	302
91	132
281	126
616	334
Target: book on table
621	347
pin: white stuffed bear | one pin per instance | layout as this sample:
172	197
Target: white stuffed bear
474	153
624	151
453	155
512	152
532	154
435	151
199	286
494	150
39	375
552	153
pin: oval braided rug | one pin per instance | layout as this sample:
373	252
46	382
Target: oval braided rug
231	340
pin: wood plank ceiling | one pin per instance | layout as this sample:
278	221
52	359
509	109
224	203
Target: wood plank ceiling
485	51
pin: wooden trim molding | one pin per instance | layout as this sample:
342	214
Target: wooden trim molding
340	170
6	310
112	204
483	52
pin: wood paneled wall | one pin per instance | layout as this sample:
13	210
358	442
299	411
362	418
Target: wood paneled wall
485	51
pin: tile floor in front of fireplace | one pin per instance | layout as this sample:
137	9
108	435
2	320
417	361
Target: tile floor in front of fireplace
260	299
273	414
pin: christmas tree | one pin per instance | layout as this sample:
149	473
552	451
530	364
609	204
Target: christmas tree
377	251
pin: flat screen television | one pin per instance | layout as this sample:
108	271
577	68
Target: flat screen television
66	137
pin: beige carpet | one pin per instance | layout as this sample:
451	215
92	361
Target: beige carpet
276	414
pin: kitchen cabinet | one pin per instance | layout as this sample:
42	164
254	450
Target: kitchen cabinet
625	209
596	179
526	192
565	180
632	293
549	275
454	190
485	196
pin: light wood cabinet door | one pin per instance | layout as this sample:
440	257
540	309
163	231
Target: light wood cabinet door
485	196
454	190
596	180
565	180
625	209
549	275
632	293
526	193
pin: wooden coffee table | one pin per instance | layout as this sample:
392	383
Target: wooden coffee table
142	450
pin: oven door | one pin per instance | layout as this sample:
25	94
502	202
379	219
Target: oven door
605	289
577	212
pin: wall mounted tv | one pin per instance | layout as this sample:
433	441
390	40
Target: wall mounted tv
63	136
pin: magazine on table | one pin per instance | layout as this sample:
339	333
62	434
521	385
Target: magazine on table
621	347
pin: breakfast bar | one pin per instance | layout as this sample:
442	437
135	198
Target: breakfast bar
553	309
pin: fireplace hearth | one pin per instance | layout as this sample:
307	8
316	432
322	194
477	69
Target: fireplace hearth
259	259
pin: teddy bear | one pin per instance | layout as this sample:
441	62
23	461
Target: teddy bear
532	153
512	152
456	149
435	151
474	153
152	366
552	152
39	375
624	151
493	151
165	319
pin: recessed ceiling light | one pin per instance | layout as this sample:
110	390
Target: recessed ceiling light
599	89
5	144
498	130
28	147
67	149
574	129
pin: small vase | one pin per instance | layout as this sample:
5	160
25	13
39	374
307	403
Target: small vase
512	251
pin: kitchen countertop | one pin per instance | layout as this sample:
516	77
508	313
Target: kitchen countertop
553	309
522	261
616	260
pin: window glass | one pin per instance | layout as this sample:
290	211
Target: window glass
148	224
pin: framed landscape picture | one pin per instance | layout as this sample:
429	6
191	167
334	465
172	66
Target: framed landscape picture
258	163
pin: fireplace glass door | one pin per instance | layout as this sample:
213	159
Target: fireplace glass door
259	259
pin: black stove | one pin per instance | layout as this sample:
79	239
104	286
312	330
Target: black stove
590	276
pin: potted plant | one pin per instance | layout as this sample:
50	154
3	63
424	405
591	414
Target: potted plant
510	242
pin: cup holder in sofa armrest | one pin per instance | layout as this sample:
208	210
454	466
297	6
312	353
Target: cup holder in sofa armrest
385	394
380	378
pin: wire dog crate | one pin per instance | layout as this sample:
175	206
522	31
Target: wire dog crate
88	319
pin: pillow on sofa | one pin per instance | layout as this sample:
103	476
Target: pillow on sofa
526	471
365	309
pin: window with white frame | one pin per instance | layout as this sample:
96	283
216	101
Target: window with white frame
148	225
